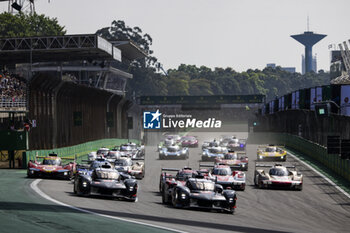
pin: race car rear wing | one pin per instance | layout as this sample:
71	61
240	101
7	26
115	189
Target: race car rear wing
206	165
270	165
171	169
55	155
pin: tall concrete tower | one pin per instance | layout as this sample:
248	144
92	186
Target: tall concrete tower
308	39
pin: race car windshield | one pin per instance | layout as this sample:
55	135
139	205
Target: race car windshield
125	148
102	152
188	139
233	141
222	171
173	149
202	185
97	164
278	172
56	162
123	163
183	176
230	156
214	150
213	144
270	149
112	155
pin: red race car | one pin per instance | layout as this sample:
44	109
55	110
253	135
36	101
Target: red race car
51	167
236	160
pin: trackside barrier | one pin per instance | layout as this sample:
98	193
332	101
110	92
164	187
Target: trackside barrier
77	151
306	147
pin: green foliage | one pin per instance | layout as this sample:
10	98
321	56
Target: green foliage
23	25
193	80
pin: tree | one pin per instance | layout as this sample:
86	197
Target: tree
23	25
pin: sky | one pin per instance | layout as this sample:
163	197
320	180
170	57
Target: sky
241	34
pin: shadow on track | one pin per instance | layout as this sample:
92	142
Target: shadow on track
56	208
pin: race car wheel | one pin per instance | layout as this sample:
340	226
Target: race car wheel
175	198
164	197
300	188
261	185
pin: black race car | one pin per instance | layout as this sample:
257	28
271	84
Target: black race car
106	181
200	193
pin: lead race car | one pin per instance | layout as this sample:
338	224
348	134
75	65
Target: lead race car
223	175
277	175
271	152
201	193
106	181
51	167
174	152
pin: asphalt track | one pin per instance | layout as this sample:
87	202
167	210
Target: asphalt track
320	207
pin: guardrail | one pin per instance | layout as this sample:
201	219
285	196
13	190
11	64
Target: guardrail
13	104
308	148
77	151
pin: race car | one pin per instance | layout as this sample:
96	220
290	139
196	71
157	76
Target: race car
271	152
130	150
277	175
106	181
200	193
235	160
223	175
167	180
92	156
133	167
112	155
174	137
207	144
189	141
103	151
88	166
236	144
225	139
51	167
212	153
173	152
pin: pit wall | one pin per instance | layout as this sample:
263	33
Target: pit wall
306	147
77	152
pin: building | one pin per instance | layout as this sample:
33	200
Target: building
288	69
314	64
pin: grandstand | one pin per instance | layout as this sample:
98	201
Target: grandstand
69	86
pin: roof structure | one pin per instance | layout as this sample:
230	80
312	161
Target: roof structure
65	48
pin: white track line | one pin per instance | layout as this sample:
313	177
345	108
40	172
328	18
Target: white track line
320	174
34	186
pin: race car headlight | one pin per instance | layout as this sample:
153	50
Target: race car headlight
230	200
260	157
282	157
243	165
84	184
161	152
183	195
131	188
65	173
32	172
183	152
203	153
